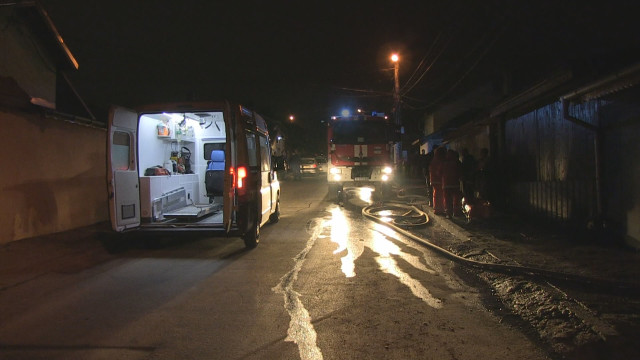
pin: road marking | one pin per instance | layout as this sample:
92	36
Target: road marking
301	329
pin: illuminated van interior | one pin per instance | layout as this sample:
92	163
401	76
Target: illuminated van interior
167	140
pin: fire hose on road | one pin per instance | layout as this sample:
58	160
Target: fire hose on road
402	217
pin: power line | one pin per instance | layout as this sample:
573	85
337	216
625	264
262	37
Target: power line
483	44
426	70
363	90
408	85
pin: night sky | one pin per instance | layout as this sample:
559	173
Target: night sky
312	58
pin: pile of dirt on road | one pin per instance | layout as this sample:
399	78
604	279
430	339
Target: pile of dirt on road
574	322
546	311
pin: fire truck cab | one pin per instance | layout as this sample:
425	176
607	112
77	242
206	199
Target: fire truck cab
360	152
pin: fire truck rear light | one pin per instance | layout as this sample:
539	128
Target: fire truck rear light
337	177
387	170
335	171
385	177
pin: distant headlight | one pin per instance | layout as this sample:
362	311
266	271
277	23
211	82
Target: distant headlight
387	170
336	171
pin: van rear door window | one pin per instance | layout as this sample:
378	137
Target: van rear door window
265	153
120	151
252	150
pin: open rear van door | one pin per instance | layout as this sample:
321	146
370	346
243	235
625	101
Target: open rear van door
229	200
122	175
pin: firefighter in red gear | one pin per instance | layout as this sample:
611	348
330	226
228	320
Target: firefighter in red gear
451	175
435	178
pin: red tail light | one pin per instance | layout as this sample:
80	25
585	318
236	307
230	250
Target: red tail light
242	174
314	165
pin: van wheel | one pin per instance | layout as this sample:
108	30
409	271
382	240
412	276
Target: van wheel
252	237
275	217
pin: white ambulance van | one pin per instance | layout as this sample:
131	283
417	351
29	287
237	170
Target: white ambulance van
202	166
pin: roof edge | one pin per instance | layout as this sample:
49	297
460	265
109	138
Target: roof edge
55	38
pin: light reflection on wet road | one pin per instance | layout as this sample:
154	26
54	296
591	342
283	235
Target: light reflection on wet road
351	235
377	238
340	235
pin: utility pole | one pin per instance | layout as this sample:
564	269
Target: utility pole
396	88
397	148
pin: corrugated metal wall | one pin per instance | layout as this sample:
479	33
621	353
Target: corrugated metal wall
548	163
551	163
620	118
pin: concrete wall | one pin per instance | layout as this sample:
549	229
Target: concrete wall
53	175
473	142
476	99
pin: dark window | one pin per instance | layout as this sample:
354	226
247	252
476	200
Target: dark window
363	132
252	150
265	154
209	147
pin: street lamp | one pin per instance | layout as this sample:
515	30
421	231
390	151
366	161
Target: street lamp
291	117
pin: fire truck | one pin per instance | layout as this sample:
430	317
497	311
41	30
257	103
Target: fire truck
360	152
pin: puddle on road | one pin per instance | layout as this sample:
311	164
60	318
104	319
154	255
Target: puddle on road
388	265
301	330
340	235
378	241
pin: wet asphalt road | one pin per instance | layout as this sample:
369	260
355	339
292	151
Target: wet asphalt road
324	283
